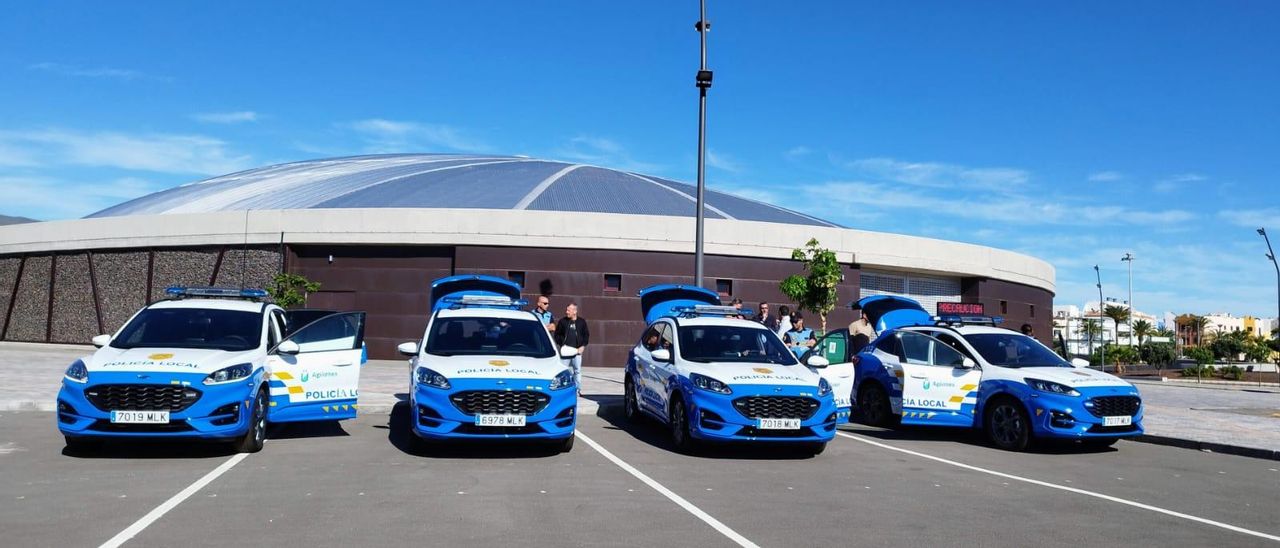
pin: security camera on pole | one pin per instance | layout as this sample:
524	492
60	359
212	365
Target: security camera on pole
703	81
1128	258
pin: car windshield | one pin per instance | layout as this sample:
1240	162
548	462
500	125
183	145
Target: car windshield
728	343
230	330
1014	350
489	337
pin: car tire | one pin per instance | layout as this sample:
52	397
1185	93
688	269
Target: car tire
254	438
630	406
1008	426
81	445
876	410
566	444
678	419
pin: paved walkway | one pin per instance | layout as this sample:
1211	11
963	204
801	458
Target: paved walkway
1237	416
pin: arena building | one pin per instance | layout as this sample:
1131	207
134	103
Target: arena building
375	230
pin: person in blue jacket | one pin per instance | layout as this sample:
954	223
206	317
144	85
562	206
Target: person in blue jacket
800	338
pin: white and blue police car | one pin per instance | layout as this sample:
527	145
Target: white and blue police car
709	376
967	372
212	364
486	369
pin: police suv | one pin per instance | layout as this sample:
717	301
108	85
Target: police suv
212	364
709	376
966	372
486	369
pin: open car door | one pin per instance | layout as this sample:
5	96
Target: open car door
834	346
315	371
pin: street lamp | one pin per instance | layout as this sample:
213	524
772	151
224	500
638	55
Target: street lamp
1272	255
703	81
1128	258
1098	274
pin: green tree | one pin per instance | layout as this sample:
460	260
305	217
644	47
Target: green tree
1142	329
815	291
1118	315
291	289
1228	346
1203	357
1161	355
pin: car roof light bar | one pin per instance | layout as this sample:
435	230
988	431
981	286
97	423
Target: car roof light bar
484	301
179	292
706	310
957	320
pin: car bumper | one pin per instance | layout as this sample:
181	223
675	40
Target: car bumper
713	417
219	413
1073	417
435	417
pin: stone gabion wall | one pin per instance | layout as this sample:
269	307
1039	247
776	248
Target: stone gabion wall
122	285
75	319
8	275
121	288
29	320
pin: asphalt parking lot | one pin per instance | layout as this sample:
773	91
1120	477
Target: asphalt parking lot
358	483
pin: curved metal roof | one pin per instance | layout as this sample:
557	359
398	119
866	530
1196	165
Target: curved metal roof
449	181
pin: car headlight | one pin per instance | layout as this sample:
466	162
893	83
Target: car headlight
229	374
709	384
78	372
431	378
1052	387
824	387
563	380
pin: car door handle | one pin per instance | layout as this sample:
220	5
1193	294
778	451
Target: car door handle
917	377
343	364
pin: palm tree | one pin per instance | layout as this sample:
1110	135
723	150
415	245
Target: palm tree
1198	324
1117	314
1142	329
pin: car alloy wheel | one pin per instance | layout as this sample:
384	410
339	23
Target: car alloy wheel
1008	427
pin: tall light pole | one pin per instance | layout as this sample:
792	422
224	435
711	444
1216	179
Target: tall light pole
703	81
1097	272
1128	258
1272	255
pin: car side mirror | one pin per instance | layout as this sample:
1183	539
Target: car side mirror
288	347
408	348
661	354
967	363
101	340
1080	363
816	361
568	352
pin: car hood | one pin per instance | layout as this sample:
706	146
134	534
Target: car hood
1076	377
494	367
471	284
885	312
661	300
733	373
109	359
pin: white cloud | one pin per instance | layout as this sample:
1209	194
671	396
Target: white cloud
1176	182
49	198
1253	218
382	135
722	162
938	175
602	151
157	152
1105	176
234	117
798	152
96	72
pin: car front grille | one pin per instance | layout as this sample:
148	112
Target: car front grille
776	407
1115	406
499	402
142	397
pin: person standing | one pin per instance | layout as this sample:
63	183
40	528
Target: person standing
800	338
860	334
765	319
784	320
571	331
542	309
737	305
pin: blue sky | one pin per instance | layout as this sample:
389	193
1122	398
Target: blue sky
1070	131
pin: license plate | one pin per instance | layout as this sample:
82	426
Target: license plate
779	424
140	417
1117	421
500	420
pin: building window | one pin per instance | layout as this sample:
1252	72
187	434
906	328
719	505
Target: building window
613	282
1004	307
724	287
516	276
1033	311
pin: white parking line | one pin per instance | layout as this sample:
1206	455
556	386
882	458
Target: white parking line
173	501
688	506
1110	498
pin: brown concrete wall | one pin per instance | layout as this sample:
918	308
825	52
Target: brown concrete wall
1021	304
